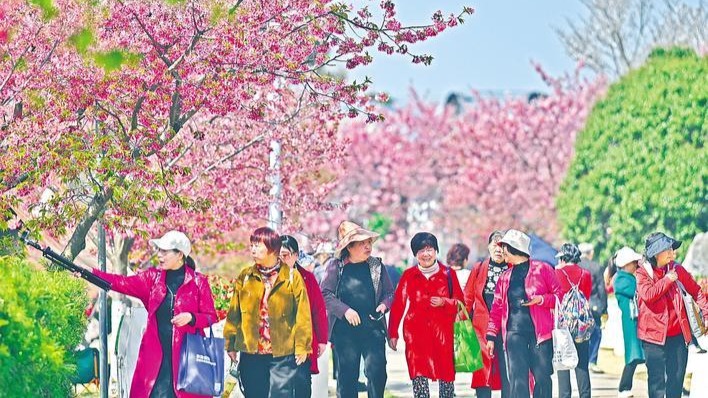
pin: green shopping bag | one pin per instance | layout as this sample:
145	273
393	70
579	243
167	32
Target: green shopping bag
468	354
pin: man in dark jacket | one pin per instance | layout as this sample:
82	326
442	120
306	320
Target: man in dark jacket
598	300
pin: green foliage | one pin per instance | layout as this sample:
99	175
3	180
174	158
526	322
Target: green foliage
640	163
115	59
380	223
47	7
41	320
82	40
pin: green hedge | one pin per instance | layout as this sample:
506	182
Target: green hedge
41	321
640	163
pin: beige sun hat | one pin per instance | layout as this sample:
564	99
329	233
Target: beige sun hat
625	256
349	232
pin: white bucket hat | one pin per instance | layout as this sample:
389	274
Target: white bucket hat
625	256
518	240
173	240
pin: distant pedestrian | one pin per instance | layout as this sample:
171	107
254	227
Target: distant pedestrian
431	292
524	297
457	258
598	300
479	296
663	324
625	284
570	274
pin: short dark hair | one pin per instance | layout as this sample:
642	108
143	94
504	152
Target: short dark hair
498	233
458	253
515	251
290	243
423	239
268	237
570	253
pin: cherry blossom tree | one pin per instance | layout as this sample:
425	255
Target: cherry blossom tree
135	112
496	164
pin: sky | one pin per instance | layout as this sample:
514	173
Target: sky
491	52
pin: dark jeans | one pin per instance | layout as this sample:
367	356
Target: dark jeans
349	348
486	392
265	376
522	355
628	375
595	338
666	367
582	375
302	385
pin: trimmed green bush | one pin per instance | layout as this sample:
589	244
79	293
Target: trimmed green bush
41	321
641	164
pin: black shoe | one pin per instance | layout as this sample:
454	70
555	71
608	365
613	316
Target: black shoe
360	386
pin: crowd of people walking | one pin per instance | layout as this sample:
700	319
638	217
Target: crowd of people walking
282	315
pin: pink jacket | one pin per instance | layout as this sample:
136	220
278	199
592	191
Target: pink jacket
149	287
540	281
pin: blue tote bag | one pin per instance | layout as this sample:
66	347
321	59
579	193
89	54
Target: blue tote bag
201	365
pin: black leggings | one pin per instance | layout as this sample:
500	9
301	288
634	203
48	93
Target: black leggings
421	388
666	367
628	375
486	392
524	355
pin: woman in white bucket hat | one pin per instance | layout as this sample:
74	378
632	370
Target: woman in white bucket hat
625	285
178	301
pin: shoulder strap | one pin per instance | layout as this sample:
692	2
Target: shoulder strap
575	285
449	281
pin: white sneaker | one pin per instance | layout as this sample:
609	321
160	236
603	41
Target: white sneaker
625	394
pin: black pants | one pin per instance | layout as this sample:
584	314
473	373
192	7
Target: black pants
522	355
486	392
265	376
302	385
349	348
628	375
582	374
666	367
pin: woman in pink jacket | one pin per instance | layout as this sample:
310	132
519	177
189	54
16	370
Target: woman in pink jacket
178	301
524	297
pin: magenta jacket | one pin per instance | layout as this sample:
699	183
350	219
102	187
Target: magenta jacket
540	281
149	287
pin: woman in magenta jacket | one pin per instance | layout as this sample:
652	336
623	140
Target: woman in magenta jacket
178	301
524	297
289	253
431	292
663	325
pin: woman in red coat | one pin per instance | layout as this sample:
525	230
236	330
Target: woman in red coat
178	301
289	253
432	292
479	295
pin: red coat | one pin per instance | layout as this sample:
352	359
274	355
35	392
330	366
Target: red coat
657	296
319	315
489	375
149	287
577	275
427	330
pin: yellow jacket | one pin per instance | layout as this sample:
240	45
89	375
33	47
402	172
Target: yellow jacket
288	310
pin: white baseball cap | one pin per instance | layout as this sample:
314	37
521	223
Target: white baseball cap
173	240
518	240
625	256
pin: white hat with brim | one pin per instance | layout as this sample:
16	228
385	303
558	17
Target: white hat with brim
518	240
349	232
173	240
625	256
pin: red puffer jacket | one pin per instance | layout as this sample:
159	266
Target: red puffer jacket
657	295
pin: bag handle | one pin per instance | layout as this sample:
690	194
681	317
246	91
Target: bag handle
462	308
556	311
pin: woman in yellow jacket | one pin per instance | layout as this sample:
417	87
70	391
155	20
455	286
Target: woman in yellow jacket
268	321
